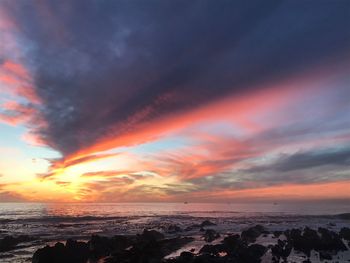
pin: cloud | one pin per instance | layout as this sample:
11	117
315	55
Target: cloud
106	174
107	70
305	160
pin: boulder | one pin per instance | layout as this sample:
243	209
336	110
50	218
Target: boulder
210	235
251	234
207	223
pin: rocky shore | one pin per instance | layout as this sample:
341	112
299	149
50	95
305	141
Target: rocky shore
152	246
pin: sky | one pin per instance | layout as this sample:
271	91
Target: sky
173	101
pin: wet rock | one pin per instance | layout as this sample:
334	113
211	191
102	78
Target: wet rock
309	239
174	229
185	257
325	255
277	233
345	233
212	249
251	234
210	235
72	252
151	235
281	251
207	223
102	246
303	241
149	251
233	243
9	242
254	253
330	241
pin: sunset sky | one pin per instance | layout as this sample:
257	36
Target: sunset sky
118	101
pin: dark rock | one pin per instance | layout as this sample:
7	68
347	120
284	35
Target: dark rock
303	241
73	252
325	255
207	223
234	243
102	246
9	242
151	235
174	229
281	250
149	251
187	256
255	252
251	234
210	235
309	239
330	241
212	249
345	233
277	234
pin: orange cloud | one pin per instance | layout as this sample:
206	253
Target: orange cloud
287	192
238	109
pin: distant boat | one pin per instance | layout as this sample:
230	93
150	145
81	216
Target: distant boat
186	203
275	203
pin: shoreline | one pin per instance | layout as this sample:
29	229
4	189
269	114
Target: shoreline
176	229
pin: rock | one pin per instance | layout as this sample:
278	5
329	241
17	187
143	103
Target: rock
9	242
330	241
345	233
185	257
309	239
149	250
210	235
174	229
102	246
73	252
277	234
251	234
233	243
151	235
325	255
303	241
255	252
207	223
212	249
281	250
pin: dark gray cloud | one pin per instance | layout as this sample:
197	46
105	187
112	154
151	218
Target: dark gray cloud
103	67
328	165
307	160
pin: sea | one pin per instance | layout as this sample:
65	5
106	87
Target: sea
48	223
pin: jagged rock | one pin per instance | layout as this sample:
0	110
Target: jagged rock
325	255
72	252
281	250
345	233
210	235
251	234
207	223
149	251
103	246
9	242
277	233
330	241
174	229
151	235
212	249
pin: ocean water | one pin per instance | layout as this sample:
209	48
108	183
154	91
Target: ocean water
49	223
